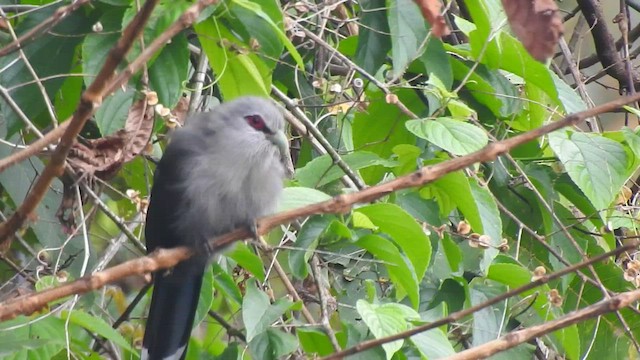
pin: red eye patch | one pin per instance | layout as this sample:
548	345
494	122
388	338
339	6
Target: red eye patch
256	122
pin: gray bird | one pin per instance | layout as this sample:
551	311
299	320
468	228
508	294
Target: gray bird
222	170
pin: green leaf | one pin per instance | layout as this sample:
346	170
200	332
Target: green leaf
321	170
272	344
296	197
50	54
408	32
17	183
490	218
407	157
387	319
314	341
453	190
247	259
381	128
405	232
567	188
237	73
571	102
514	276
436	62
487	322
485	85
206	298
633	139
22	339
112	114
265	27
504	51
169	71
223	282
307	241
515	59
596	164
96	46
97	326
373	40
257	312
454	136
401	272
361	221
433	344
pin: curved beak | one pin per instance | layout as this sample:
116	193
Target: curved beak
279	139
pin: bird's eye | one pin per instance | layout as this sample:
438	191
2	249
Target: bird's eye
257	122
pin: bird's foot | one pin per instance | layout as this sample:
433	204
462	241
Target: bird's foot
252	226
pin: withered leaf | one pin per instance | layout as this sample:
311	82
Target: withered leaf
104	157
537	23
431	12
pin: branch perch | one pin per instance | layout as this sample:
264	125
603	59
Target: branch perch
340	204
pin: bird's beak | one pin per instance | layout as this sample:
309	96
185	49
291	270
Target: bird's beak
280	140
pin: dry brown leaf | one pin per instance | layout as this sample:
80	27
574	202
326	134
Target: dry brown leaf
431	12
181	110
537	23
104	157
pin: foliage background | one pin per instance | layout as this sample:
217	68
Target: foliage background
387	98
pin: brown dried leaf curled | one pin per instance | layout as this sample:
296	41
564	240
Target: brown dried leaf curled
431	12
537	23
104	157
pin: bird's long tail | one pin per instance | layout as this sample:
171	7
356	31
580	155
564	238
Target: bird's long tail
173	308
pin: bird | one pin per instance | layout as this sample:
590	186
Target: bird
222	170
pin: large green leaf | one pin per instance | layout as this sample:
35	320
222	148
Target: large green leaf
50	55
454	136
112	114
237	72
314	341
263	21
503	51
408	32
22	338
380	129
16	183
491	221
258	313
387	319
306	243
571	102
272	344
451	191
225	285
96	45
405	232
97	326
322	170
169	71
436	62
400	270
205	299
433	344
295	197
596	164
247	259
489	87
513	276
373	40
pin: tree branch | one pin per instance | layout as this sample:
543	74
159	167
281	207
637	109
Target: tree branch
163	259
